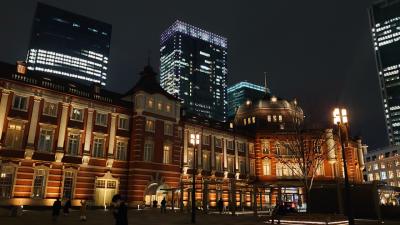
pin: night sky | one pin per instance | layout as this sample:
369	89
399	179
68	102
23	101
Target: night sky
319	52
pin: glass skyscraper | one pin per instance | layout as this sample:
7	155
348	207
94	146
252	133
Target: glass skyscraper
193	68
239	93
385	25
69	45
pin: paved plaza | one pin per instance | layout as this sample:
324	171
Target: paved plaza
144	217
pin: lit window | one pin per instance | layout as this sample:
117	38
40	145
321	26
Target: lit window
167	154
14	135
274	118
269	118
168	107
20	103
383	175
280	118
50	109
98	147
45	140
244	121
150	126
123	123
248	120
77	114
159	106
253	119
101	119
73	144
370	177
122	147
6	181
266	167
150	103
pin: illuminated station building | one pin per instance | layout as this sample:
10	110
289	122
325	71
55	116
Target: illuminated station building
64	139
68	45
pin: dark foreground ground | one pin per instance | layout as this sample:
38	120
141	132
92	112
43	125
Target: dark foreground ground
145	217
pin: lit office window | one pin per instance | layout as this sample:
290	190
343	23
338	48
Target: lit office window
50	109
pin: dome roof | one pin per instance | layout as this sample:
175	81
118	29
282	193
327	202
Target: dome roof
269	113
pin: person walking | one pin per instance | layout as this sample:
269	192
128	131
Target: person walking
120	211
56	209
164	206
220	205
82	210
66	207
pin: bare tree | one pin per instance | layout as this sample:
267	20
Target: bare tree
302	155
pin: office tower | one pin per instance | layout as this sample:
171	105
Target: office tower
240	92
385	25
194	69
69	45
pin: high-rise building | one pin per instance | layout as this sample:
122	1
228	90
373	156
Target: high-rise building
385	25
194	69
240	92
69	45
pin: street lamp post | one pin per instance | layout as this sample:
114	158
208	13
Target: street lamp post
194	140
341	120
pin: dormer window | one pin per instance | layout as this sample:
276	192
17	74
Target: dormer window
150	103
168	108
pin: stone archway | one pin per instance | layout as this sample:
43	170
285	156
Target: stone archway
156	192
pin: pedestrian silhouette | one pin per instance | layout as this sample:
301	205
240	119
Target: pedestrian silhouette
56	209
163	206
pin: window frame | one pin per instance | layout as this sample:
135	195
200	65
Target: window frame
122	118
73	113
44	112
101	123
46	129
18	107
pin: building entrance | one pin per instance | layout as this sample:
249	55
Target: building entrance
156	192
106	188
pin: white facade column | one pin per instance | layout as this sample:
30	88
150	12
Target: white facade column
212	142
34	122
111	142
199	152
5	94
224	143
360	154
185	147
88	131
247	158
62	126
236	146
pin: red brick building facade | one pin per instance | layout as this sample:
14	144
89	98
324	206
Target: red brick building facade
63	139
